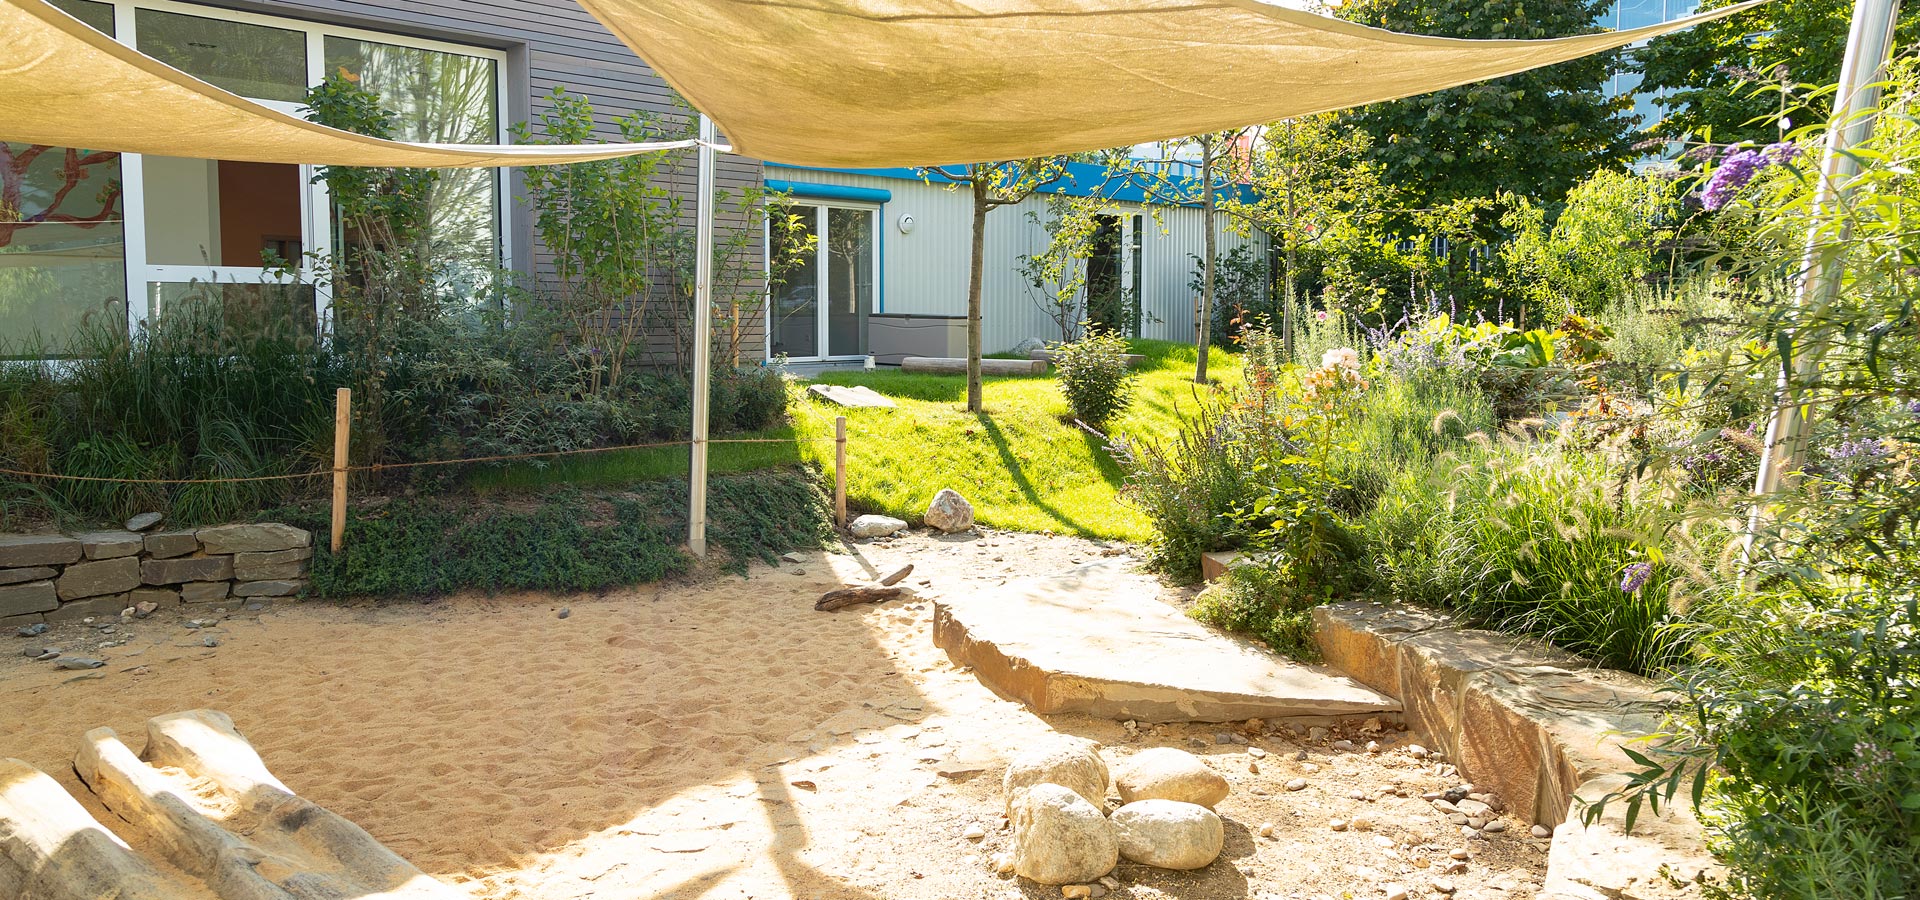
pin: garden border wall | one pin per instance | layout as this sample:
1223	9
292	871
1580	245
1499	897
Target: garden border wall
57	578
1538	726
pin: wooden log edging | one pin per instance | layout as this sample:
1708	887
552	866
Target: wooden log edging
1540	727
956	365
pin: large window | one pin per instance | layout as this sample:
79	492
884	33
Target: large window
89	237
62	237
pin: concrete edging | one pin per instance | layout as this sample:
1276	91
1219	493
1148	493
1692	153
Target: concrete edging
1540	727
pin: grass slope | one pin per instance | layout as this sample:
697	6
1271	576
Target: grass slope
1021	462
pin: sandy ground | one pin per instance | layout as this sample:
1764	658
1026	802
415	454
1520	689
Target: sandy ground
717	739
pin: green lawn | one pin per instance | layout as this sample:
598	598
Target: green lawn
1021	462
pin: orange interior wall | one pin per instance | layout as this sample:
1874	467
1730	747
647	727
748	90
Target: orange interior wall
257	201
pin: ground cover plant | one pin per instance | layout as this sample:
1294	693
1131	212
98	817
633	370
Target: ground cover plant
564	539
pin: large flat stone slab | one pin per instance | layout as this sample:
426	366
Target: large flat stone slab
1095	640
1541	728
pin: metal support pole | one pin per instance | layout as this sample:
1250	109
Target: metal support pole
1869	43
702	339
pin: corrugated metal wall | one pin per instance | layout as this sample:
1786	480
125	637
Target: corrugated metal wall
926	271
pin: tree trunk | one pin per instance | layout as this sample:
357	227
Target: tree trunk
979	266
1206	291
1292	238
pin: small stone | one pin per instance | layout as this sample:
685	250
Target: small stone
1443	885
1256	753
1266	829
1542	831
974	833
949	512
1221	737
1343	746
1338	824
1459	853
1109	882
144	521
1361	823
1458	868
47	655
1495	827
1416	751
1073	763
1396	892
565	612
256	607
79	662
1003	864
1076	891
872	526
35	630
1167	834
1474	808
1164	773
209	641
1373	746
1060	838
1297	784
1317	733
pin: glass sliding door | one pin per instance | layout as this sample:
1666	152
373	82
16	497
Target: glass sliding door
818	309
63	237
793	313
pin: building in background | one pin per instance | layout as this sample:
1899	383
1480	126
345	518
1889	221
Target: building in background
893	249
107	238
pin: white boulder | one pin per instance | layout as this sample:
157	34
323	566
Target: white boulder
1060	838
1073	763
1168	834
949	512
1164	773
871	526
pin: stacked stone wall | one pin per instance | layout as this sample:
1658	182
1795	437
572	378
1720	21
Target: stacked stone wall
66	577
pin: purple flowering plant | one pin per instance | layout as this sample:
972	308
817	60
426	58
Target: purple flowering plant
1739	167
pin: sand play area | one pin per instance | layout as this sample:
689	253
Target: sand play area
718	738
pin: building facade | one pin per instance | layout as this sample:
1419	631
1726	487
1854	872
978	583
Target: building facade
97	237
893	250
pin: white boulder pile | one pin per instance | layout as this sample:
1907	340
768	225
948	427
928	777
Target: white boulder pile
1057	800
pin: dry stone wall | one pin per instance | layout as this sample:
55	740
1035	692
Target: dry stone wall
63	577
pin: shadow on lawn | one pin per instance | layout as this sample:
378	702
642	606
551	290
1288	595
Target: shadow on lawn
1016	470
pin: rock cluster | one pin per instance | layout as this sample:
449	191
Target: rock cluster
1056	797
59	577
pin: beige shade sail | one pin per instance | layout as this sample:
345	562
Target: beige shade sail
66	85
906	82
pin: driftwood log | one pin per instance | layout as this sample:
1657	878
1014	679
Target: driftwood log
849	596
957	365
898	575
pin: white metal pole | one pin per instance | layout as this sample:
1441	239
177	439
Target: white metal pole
702	339
1869	43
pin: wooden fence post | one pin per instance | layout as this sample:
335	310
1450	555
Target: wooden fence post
342	424
840	471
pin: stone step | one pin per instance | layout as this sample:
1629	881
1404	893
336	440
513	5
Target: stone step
1096	640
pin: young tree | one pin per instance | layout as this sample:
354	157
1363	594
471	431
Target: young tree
992	185
1534	134
1734	79
1057	275
1309	175
1220	158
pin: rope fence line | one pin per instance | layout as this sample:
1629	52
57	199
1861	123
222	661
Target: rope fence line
340	470
381	467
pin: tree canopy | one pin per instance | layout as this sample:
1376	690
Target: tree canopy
1534	134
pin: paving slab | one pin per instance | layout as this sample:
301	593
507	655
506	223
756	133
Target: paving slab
858	396
1097	640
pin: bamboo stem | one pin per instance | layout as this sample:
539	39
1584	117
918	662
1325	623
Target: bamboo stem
840	471
342	425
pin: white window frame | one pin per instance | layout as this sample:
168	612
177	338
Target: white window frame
820	278
316	203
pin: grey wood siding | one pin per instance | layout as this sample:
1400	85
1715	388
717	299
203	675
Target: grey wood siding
550	44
